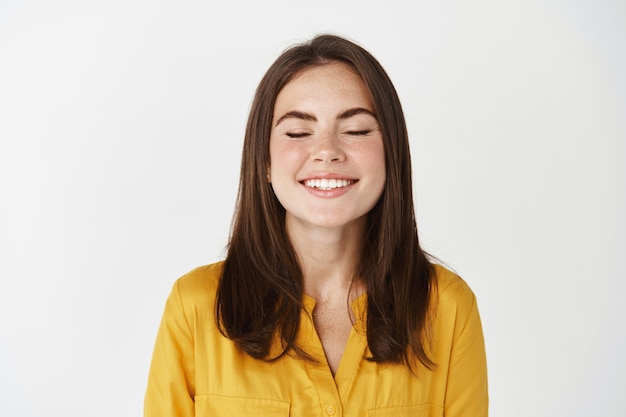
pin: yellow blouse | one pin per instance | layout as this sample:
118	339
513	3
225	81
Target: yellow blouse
196	371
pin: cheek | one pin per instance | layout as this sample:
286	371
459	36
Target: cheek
276	157
375	160
284	157
374	155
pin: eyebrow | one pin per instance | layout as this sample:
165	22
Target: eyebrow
353	112
294	114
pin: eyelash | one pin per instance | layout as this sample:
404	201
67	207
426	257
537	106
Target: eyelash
297	135
353	133
359	132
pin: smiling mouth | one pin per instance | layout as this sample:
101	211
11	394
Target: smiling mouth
327	184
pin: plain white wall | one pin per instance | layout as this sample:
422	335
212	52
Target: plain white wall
121	126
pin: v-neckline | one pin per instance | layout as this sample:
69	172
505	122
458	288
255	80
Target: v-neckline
353	351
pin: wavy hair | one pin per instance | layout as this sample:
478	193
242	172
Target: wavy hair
260	295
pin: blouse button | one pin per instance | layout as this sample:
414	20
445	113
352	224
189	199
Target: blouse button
330	410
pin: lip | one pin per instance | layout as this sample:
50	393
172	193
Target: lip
328	176
335	192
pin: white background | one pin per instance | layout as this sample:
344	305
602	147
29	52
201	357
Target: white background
121	126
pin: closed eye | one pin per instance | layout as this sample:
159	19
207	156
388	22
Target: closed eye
297	135
359	132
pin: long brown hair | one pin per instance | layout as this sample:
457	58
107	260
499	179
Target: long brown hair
261	288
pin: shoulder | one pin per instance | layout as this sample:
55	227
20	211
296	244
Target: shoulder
455	297
199	285
450	284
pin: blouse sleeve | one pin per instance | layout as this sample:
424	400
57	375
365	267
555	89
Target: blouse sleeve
171	386
466	391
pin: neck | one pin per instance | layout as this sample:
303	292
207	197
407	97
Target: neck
328	257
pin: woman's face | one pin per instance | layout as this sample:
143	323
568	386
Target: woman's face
327	164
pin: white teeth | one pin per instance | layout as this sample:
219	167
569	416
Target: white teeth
327	184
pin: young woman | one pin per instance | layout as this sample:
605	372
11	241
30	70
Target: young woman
325	304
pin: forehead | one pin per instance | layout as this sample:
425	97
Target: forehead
332	69
335	80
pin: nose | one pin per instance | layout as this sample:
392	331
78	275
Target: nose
328	148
